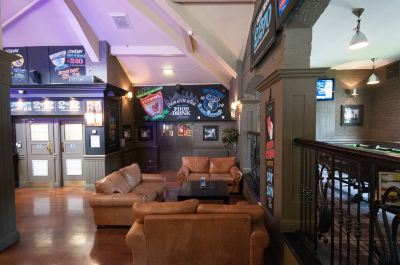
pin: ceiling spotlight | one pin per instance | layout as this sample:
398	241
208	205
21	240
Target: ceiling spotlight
359	39
373	79
168	72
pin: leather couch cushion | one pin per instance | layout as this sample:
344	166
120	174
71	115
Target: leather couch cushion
196	164
128	199
140	210
132	174
197	176
255	211
195	239
227	177
113	183
149	188
221	165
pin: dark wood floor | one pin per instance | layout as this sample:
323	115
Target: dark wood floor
56	227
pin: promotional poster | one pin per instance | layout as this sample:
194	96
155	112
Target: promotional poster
270	153
182	103
19	69
66	62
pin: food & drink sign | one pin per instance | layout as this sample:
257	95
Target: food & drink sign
182	103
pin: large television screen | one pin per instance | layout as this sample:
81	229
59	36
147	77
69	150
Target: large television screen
325	89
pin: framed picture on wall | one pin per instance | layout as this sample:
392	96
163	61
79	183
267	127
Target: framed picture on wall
351	115
127	132
145	133
210	133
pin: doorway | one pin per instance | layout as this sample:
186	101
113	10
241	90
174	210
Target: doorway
50	151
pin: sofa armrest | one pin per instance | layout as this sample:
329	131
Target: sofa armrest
136	242
259	240
151	178
99	199
183	174
236	173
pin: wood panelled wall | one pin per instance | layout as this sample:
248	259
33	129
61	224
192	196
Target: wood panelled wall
381	108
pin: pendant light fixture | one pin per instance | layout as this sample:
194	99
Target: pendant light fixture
373	79
359	39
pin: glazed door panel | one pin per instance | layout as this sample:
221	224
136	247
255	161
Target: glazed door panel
40	152
72	150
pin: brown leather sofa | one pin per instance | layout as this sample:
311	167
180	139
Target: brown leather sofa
222	169
117	192
182	233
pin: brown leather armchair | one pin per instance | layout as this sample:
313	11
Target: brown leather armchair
181	233
221	169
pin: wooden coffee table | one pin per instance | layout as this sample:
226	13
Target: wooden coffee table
214	190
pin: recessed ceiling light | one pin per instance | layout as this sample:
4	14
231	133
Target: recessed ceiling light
168	72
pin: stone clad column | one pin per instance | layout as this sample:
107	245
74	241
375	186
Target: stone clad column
8	230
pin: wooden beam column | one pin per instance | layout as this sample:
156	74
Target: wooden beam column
8	229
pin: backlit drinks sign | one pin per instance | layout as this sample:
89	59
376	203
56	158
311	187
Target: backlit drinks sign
262	30
262	26
283	8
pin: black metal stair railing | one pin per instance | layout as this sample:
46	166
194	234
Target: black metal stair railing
340	208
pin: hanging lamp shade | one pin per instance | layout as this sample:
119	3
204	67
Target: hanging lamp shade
358	41
373	79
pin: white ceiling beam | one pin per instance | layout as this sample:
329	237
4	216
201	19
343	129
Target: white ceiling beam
215	48
214	1
207	65
81	27
155	50
19	13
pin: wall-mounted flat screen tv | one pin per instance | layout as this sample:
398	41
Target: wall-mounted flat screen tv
325	89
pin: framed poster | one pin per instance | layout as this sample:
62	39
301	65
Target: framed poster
351	115
210	133
127	132
184	130
145	133
270	153
263	31
387	180
94	113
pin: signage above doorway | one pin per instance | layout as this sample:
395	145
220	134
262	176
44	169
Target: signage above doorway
263	31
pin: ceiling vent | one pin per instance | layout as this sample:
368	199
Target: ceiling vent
393	71
121	21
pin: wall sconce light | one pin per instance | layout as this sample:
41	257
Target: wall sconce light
354	94
233	109
129	95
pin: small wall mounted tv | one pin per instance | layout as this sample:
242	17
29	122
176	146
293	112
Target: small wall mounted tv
325	89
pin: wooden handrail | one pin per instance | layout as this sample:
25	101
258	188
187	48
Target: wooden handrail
349	152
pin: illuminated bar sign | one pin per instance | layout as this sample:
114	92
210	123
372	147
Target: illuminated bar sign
283	9
47	107
182	103
263	31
